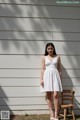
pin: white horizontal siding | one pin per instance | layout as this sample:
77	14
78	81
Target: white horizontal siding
27	101
34	61
28	107
34	82
25	36
36	2
38	36
25	28
29	2
39	11
37	24
28	91
37	47
20	91
35	73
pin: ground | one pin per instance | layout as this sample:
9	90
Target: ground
30	117
36	117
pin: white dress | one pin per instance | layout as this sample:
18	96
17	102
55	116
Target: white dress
51	77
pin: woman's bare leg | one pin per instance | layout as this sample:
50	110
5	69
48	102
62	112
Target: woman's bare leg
55	95
49	102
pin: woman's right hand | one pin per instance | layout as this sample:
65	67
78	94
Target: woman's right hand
42	83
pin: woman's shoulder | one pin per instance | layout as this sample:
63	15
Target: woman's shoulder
44	57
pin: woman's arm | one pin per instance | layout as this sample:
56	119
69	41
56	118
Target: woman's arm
42	71
59	67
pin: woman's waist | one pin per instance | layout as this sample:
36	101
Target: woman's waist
51	67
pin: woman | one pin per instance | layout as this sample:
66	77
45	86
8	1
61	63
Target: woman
50	80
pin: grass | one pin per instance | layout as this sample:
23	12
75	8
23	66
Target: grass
30	117
36	117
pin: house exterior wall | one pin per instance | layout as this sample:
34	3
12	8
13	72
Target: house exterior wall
25	28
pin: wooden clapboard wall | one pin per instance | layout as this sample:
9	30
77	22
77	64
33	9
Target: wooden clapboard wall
25	28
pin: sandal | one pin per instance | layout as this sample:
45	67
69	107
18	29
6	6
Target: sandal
56	116
56	119
52	118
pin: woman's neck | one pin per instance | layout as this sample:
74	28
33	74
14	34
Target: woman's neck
51	55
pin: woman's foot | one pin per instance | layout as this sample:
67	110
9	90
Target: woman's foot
52	118
56	119
51	115
56	116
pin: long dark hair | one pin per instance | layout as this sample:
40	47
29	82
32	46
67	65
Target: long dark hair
50	44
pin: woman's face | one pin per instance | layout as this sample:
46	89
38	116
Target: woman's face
50	50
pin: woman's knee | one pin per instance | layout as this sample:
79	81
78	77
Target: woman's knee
48	95
55	95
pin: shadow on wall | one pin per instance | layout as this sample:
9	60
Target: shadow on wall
68	84
4	101
21	29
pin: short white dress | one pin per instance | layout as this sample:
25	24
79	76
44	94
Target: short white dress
51	77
